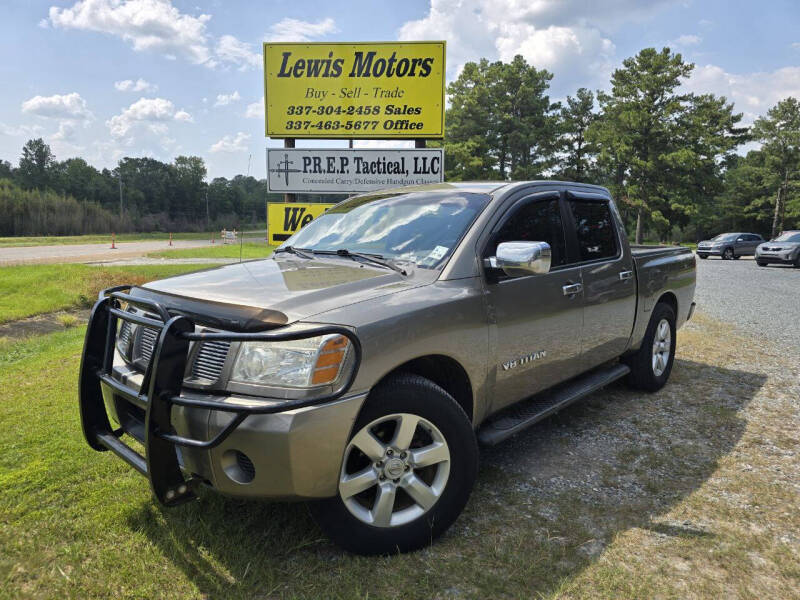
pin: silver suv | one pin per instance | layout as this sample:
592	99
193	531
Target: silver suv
729	246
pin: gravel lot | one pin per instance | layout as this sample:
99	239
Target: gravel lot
761	301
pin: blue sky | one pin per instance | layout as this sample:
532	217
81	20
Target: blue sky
104	79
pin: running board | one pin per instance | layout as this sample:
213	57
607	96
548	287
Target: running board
517	417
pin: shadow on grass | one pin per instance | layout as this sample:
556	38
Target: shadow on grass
617	461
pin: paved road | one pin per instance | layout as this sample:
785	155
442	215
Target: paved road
763	301
87	252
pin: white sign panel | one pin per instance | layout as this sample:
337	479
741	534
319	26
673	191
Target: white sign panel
341	171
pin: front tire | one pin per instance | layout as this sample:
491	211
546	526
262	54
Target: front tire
728	254
703	256
407	471
761	264
652	363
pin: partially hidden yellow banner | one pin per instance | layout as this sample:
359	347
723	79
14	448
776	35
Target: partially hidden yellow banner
354	90
285	218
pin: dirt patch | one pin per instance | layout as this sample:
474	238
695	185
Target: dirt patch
42	324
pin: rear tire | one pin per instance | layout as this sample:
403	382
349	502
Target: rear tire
652	363
421	501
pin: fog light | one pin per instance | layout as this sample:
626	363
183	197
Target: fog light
238	466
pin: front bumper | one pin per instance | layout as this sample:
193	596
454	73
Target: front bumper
775	258
709	251
242	446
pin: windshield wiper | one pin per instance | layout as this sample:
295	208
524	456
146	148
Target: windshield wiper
376	259
302	252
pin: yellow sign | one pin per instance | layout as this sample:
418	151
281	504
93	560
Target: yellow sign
286	218
354	90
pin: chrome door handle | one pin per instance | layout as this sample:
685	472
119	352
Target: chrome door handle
624	275
572	289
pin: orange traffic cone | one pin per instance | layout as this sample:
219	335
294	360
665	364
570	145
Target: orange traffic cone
113	246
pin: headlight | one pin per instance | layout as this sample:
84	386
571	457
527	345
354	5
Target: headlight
302	363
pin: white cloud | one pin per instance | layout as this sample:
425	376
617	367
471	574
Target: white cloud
753	93
295	30
140	85
58	106
687	40
231	143
44	23
20	130
565	51
255	110
145	24
225	99
152	112
65	133
549	33
231	50
796	45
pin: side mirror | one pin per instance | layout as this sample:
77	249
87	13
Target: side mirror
518	259
740	239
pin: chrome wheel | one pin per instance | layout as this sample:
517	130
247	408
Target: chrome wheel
662	346
394	470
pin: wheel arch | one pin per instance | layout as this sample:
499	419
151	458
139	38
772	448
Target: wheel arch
670	299
444	371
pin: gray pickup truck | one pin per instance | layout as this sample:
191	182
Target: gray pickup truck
361	366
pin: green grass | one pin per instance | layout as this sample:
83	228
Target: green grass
249	250
694	503
100	238
28	290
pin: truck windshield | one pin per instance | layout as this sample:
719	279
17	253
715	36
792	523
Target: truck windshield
422	227
788	236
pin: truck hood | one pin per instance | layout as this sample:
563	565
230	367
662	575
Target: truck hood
262	294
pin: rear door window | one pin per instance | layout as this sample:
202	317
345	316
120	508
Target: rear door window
594	228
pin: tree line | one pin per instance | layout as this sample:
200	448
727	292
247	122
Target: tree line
140	194
669	157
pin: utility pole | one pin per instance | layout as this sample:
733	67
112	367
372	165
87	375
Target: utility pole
119	172
208	219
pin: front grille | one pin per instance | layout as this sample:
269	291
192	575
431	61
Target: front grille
207	363
124	336
210	360
146	343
